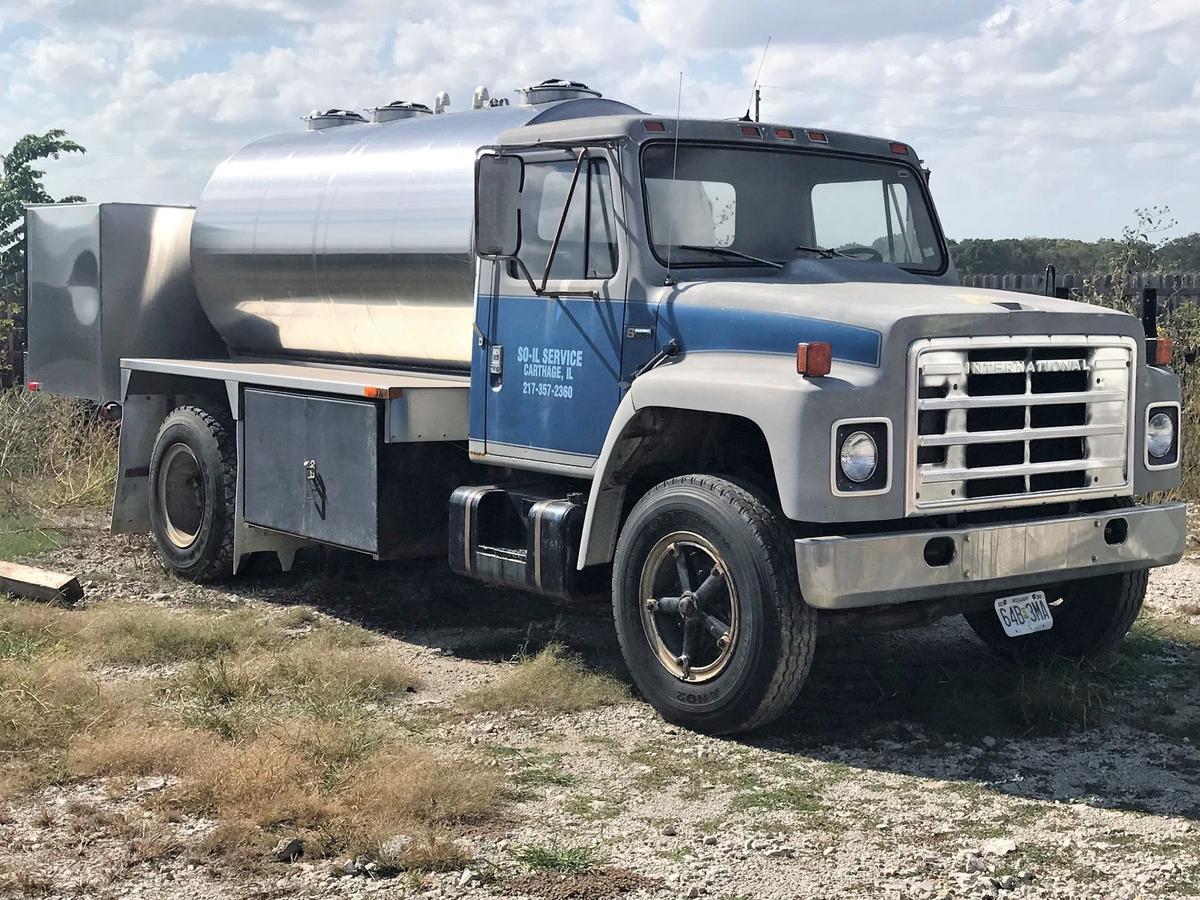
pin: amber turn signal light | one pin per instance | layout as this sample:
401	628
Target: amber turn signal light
1164	351
813	360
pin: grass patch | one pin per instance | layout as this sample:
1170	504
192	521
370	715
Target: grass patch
126	635
550	682
395	804
22	536
558	858
270	734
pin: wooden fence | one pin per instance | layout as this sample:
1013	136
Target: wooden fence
1172	288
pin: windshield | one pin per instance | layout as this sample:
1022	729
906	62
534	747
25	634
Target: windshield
740	206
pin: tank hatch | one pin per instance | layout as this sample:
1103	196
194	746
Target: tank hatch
554	89
332	118
398	109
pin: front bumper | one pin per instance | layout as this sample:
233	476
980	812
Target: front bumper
885	569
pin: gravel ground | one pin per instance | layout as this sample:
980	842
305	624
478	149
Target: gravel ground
869	788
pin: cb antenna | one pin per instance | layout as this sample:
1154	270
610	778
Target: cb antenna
674	170
756	96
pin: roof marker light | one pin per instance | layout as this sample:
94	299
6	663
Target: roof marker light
900	149
655	126
818	137
751	131
785	134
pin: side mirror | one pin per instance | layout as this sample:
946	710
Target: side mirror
498	183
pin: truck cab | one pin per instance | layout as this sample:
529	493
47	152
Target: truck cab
745	328
721	372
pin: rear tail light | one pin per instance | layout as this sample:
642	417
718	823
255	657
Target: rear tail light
33	385
814	360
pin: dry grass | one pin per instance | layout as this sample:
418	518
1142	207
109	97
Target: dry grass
20	882
396	804
552	682
44	704
273	734
129	635
53	454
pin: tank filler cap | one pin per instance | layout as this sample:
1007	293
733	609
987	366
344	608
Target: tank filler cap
398	109
332	118
554	89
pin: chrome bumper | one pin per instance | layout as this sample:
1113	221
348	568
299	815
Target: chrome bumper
884	569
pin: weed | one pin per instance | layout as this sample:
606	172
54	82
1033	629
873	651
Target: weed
26	630
549	682
558	857
53	453
22	536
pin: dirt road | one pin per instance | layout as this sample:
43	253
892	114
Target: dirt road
914	766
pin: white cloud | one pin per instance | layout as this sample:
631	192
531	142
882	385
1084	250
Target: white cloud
1038	116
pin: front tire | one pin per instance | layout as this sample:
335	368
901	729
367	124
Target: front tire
193	475
707	606
1091	616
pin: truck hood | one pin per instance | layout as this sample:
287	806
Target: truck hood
841	302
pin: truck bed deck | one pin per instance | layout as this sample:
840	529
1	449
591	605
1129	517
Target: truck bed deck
421	406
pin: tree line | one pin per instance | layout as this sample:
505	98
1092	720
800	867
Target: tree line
1031	255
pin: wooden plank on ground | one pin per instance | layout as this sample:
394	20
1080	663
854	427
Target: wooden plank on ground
39	584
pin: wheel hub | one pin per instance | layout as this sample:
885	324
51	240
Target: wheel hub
181	495
690	611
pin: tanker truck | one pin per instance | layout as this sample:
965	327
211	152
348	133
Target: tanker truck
721	370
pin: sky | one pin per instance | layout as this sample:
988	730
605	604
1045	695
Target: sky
1038	117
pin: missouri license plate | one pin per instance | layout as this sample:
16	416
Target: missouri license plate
1024	614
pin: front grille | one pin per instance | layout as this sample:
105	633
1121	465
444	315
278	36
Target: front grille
1002	421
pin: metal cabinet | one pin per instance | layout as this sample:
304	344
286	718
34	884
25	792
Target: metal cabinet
311	467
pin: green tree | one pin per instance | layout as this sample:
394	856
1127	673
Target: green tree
21	185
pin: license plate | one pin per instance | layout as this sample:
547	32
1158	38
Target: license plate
1024	614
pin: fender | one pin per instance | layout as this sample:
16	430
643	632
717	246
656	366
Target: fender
790	410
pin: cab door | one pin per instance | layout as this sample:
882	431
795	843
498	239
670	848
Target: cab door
553	362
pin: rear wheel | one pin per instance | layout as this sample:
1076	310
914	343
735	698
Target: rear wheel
193	474
1091	616
707	607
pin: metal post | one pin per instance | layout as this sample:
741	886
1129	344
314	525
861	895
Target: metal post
1150	311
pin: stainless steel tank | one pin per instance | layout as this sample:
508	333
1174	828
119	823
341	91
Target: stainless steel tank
354	242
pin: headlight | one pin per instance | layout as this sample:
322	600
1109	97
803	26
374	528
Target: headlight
859	456
1160	435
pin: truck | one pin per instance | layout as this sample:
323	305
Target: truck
719	369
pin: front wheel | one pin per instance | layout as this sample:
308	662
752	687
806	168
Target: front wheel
1091	616
708	611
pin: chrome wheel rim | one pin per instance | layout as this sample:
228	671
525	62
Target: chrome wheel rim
181	495
689	607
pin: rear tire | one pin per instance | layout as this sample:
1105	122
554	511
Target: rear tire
193	476
751	633
1091	616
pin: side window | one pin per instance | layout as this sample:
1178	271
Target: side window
588	247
